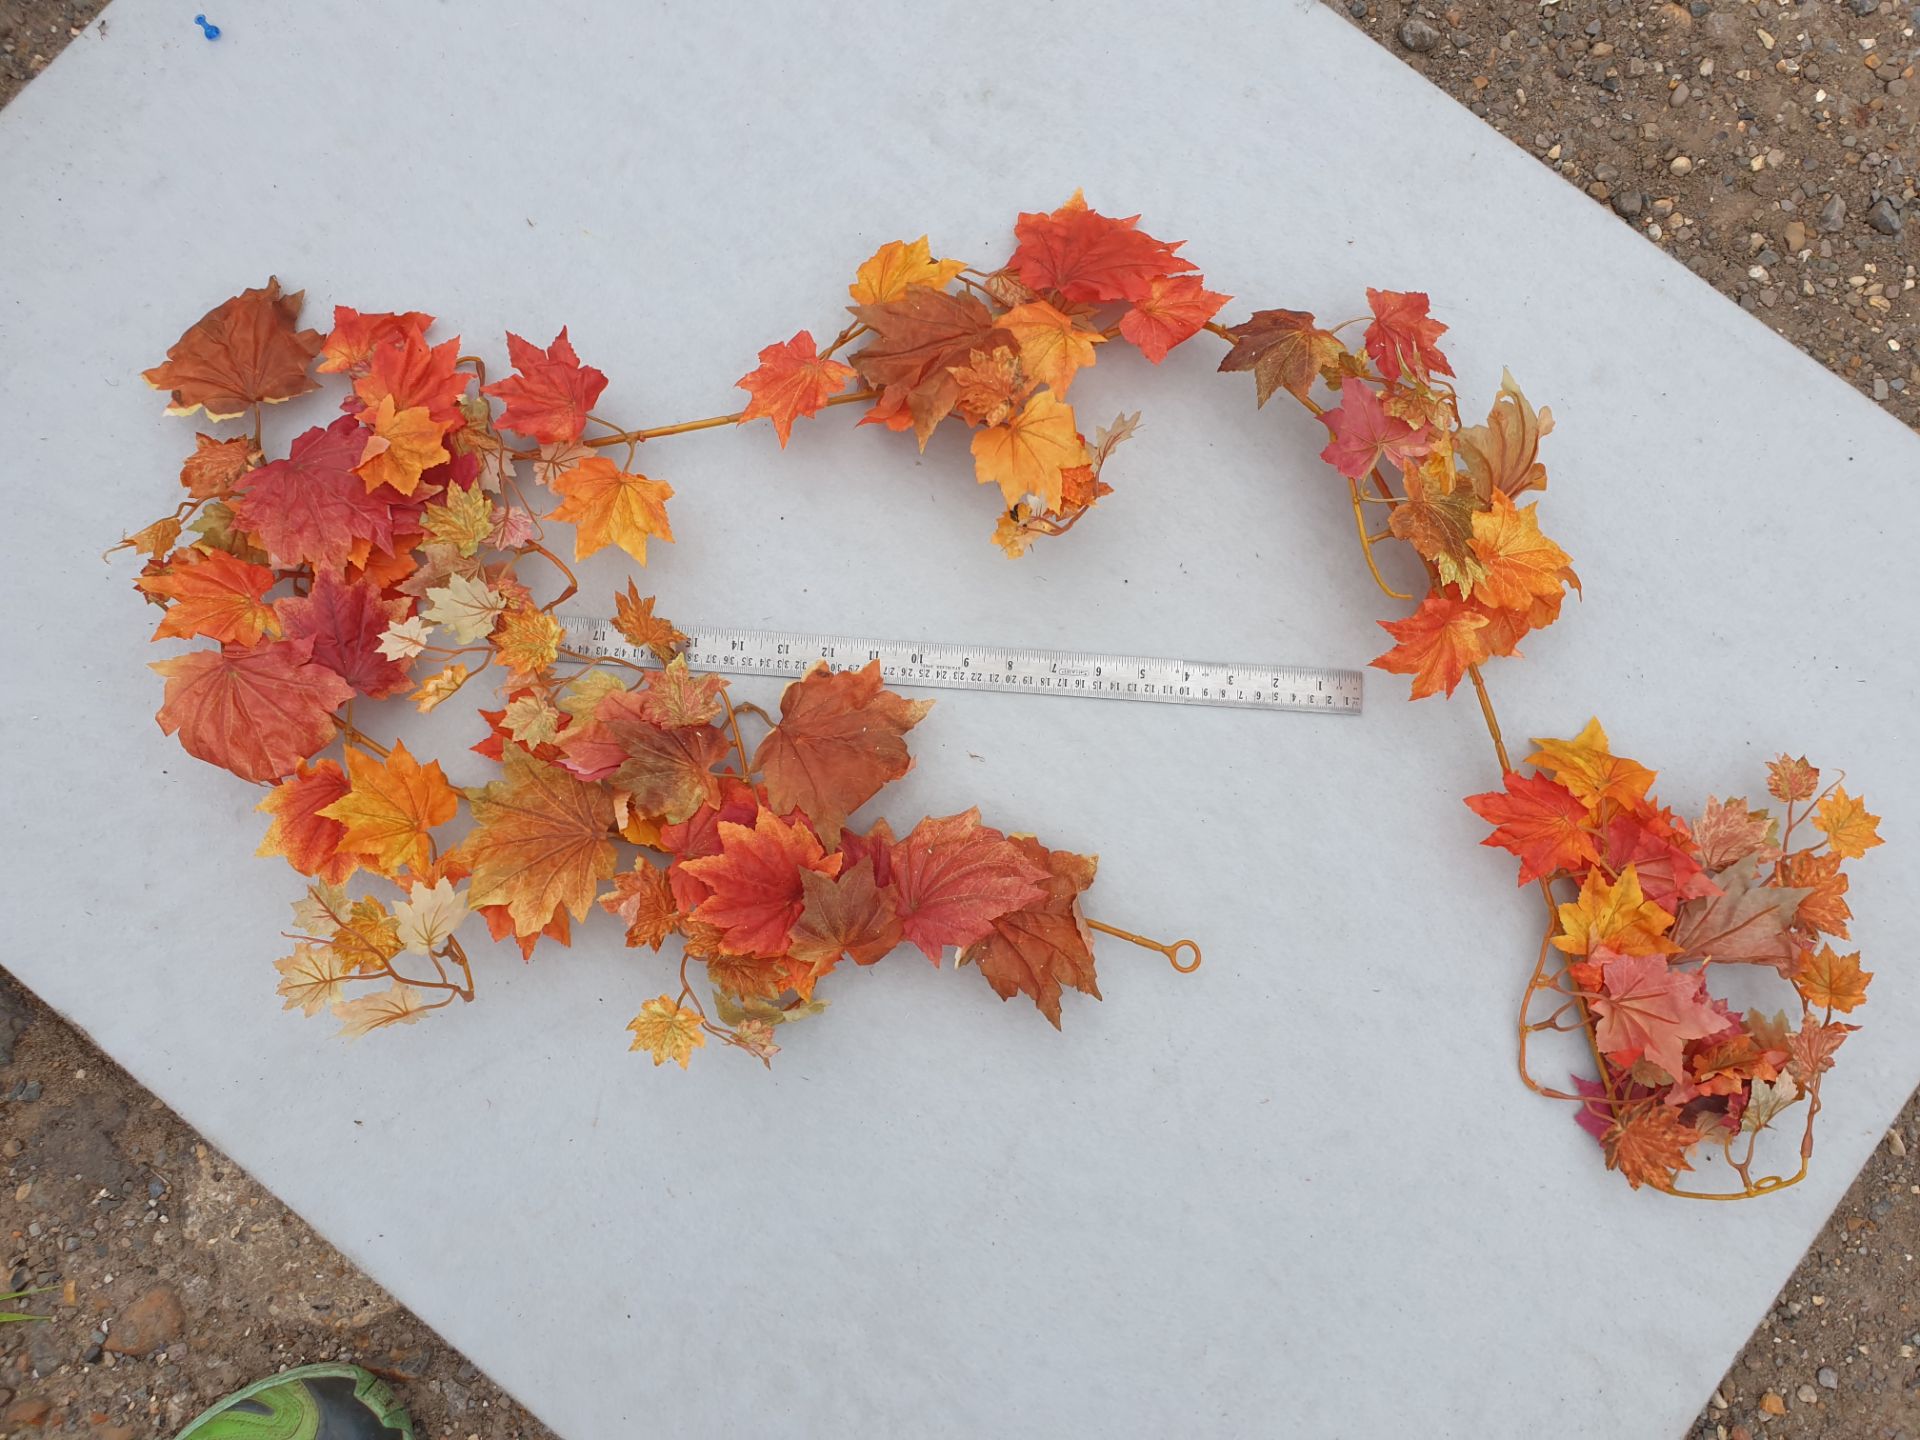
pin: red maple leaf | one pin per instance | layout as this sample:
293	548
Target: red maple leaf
309	840
548	399
1649	1009
793	380
345	622
356	335
1364	434
1436	644
1539	820
415	376
955	877
1042	947
310	508
756	891
256	711
1403	336
1174	309
1087	256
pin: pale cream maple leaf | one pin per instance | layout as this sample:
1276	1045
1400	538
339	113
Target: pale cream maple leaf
404	639
429	915
466	606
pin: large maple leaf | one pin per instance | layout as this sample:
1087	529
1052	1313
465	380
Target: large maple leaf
244	352
548	399
1436	644
356	335
1646	1008
793	380
311	508
608	506
1043	946
1522	565
667	771
416	376
755	893
1649	1145
840	738
1174	310
216	595
917	339
1403	337
1087	256
345	621
389	808
256	711
308	839
1284	349
1364	435
1027	453
1747	922
955	877
848	915
541	841
1540	821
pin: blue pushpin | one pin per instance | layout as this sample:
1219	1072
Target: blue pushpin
211	30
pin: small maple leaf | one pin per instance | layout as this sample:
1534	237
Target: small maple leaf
214	595
1588	768
1439	526
608	506
311	507
1728	833
355	336
243	352
1284	349
1087	256
389	808
463	519
312	978
633	617
1646	1008
1027	454
667	1032
1791	780
1403	337
755	891
793	380
888	272
1054	346
1823	908
548	399
367	938
1365	435
216	466
256	711
404	443
1174	310
427	918
1522	564
417	376
1436	644
846	915
1844	820
955	877
673	696
398	1004
1833	981
643	898
1766	1099
1540	821
527	642
309	840
1614	915
541	842
1649	1145
1043	946
840	738
990	386
437	688
468	607
531	720
1810	1049
1503	453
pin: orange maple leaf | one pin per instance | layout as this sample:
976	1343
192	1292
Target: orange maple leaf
643	898
608	506
417	376
1026	454
1174	309
1054	346
541	842
1284	349
1087	256
1844	820
1833	981
1043	946
309	840
216	595
1436	644
755	891
1789	779
633	617
1540	821
402	445
1590	770
848	915
243	352
1402	336
793	380
256	711
840	738
355	336
1649	1145
1613	915
215	466
668	772
895	266
1823	909
1522	564
917	339
548	399
389	808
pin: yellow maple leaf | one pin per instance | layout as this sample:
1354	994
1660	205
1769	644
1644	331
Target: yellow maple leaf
666	1031
1522	564
390	806
367	939
528	641
1026	455
1832	980
1590	770
897	264
403	443
1615	916
464	521
1849	829
607	506
542	839
1053	346
436	688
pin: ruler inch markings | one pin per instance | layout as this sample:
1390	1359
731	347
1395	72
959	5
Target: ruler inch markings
1085	675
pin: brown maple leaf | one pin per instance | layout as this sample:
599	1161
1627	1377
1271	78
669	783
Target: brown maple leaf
243	352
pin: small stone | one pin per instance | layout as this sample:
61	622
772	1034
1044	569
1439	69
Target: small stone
1865	7
156	1188
1897	87
1829	1379
13	1146
1833	214
1681	165
27	1091
1881	391
1357	9
1808	1395
157	1318
1796	236
1884	218
114	1432
1679	96
1416	34
1629	203
91	1355
23	1413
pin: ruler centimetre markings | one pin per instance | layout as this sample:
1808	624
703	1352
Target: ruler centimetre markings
1078	675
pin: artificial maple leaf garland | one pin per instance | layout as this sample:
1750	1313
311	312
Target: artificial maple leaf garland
380	556
394	512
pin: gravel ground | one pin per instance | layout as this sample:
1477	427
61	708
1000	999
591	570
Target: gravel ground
1771	147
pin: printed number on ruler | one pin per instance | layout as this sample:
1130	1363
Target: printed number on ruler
1076	675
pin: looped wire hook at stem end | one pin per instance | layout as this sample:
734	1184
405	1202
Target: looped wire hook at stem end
1172	952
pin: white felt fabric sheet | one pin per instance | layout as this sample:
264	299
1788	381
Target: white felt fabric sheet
1299	1191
